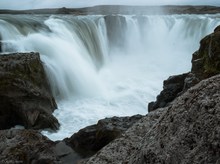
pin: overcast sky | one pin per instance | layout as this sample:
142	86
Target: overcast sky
34	4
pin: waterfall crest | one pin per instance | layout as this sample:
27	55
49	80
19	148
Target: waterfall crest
101	65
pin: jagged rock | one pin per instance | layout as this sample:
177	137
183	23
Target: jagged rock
209	56
190	81
29	146
186	131
205	63
121	148
92	138
25	96
217	29
171	88
189	130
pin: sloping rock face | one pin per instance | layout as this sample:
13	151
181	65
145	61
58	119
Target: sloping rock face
29	146
120	149
205	63
89	140
25	96
187	131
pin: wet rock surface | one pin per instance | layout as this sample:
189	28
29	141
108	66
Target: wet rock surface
25	96
92	138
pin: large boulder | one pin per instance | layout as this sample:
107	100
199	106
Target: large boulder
186	131
92	138
29	146
205	63
189	131
25	95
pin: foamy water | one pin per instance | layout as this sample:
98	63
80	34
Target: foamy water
101	67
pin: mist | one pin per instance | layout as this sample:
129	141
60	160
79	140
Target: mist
36	4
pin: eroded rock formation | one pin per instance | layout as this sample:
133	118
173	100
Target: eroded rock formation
205	63
92	138
25	96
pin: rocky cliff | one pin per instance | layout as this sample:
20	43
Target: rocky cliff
25	96
205	63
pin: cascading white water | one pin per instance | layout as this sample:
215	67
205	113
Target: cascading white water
101	66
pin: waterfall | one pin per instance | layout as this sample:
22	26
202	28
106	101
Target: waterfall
101	65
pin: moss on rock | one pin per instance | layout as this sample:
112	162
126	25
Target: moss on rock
25	95
208	56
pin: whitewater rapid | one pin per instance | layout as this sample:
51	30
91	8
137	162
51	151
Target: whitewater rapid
102	66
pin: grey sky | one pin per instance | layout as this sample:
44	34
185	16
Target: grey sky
34	4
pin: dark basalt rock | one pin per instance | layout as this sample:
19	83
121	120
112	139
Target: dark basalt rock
29	146
171	88
25	96
186	131
92	138
209	54
205	63
189	130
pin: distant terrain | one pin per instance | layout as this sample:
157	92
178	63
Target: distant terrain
118	9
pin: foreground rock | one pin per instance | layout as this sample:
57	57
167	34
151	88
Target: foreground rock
29	146
187	131
92	138
205	63
25	96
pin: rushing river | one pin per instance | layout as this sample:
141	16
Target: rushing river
101	66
